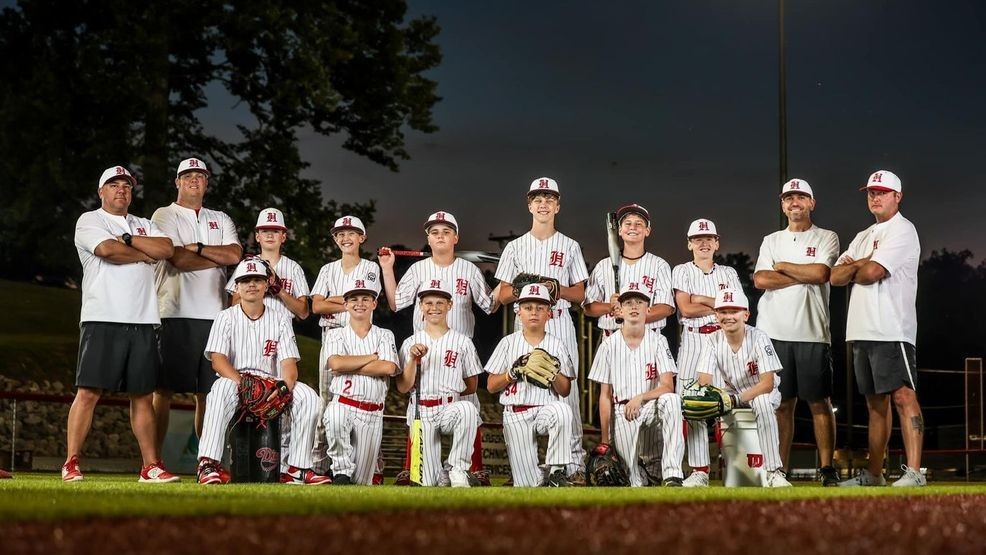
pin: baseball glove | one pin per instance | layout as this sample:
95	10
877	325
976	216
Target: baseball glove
538	368
265	398
605	468
706	402
524	279
274	282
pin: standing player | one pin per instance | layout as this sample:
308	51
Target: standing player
291	299
442	231
882	263
696	284
636	370
450	370
190	290
362	358
251	339
793	270
742	358
549	253
530	410
117	348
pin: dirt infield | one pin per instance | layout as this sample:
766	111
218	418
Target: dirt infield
953	524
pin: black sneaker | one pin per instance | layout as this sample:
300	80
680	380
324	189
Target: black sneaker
557	479
673	482
342	480
828	476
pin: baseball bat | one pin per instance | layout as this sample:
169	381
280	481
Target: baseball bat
417	448
475	257
613	242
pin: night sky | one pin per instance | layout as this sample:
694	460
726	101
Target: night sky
674	105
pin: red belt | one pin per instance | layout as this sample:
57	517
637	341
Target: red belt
707	328
521	408
436	402
371	407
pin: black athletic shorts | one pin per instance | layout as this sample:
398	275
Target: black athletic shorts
184	368
807	372
117	357
884	366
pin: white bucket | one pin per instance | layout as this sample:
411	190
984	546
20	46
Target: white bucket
741	450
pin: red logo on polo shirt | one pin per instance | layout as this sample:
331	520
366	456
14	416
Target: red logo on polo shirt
272	217
213	224
450	358
876	243
461	286
556	259
754	460
651	373
141	231
810	251
648	282
703	225
752	369
270	348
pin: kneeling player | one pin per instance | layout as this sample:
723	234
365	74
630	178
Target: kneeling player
636	370
533	397
248	338
744	359
361	358
450	370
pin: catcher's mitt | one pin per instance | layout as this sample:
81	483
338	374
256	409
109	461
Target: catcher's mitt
524	279
263	397
605	468
706	402
538	368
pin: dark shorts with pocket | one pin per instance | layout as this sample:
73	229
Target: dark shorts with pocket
807	372
117	357
184	368
884	366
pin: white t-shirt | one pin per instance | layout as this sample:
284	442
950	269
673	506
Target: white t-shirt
740	370
294	282
197	294
120	293
512	347
886	310
799	312
332	282
468	286
260	344
632	371
651	272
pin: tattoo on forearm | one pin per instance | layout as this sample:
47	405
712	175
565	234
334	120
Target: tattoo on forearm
918	423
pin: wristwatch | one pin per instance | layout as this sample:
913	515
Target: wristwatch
198	251
127	239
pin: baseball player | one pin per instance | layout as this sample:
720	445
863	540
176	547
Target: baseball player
549	253
793	270
291	299
362	357
450	370
442	231
190	289
882	263
742	359
695	286
529	410
117	346
636	370
251	339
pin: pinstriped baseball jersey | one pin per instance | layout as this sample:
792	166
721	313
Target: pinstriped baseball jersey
512	347
558	257
332	282
344	341
740	370
450	360
252	344
632	371
468	287
689	278
651	272
293	278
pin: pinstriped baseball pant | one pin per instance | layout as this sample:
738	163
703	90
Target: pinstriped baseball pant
764	408
353	436
519	428
688	370
663	413
461	420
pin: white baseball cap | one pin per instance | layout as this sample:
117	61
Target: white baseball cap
192	164
543	185
348	222
362	285
271	218
442	218
435	286
535	292
632	289
797	186
732	298
702	227
624	211
883	180
250	267
110	174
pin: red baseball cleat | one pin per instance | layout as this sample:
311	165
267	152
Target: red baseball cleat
155	473
70	470
303	477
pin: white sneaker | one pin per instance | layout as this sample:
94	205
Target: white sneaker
697	479
459	478
864	478
911	478
776	479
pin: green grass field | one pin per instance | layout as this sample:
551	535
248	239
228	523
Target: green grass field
44	497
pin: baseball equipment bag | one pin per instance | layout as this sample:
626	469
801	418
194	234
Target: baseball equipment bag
706	402
524	279
264	397
605	467
255	450
537	368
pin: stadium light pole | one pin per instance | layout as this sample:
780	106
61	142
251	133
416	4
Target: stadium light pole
781	102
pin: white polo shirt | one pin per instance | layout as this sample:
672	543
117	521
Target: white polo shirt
199	294
120	293
886	310
799	312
